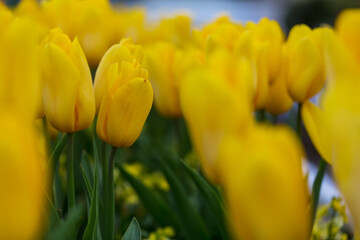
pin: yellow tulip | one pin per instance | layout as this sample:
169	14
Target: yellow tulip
348	29
335	128
22	201
278	99
176	30
126	96
305	61
68	94
220	32
126	51
269	31
91	26
19	70
212	109
256	54
167	65
264	186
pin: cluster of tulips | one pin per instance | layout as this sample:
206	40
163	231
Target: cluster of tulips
87	66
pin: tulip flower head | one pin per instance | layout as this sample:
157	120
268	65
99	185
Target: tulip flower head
125	95
304	56
68	95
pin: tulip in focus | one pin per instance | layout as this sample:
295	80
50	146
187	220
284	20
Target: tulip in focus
264	186
125	95
68	94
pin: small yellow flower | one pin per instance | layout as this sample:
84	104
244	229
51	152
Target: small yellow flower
68	94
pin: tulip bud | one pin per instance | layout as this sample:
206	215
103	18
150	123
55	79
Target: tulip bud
212	109
126	96
68	94
264	186
22	180
305	61
347	27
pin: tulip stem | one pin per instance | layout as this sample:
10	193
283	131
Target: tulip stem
104	186
110	206
316	189
70	172
298	124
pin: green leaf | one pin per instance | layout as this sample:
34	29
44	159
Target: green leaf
53	216
92	226
192	225
58	189
87	187
58	149
153	202
133	232
70	227
212	198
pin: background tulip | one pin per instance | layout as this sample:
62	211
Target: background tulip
212	109
68	95
305	61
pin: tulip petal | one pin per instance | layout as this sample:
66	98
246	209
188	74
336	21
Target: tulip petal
315	124
128	111
61	84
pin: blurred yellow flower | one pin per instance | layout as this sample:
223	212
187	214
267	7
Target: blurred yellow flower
212	109
278	99
264	186
269	32
305	62
334	129
22	179
125	95
167	65
68	94
19	70
347	27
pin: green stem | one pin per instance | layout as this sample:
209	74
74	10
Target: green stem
110	205
316	190
298	123
70	172
104	187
